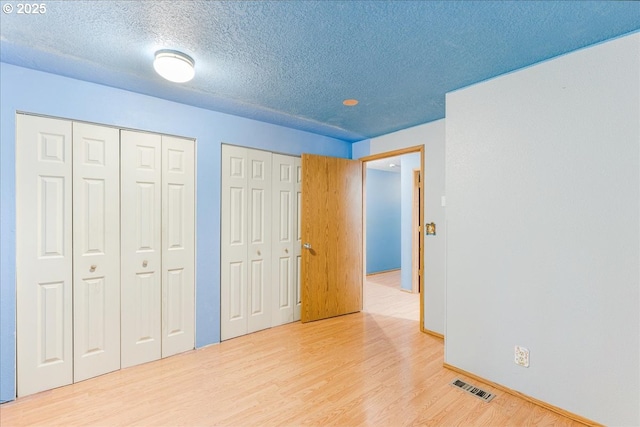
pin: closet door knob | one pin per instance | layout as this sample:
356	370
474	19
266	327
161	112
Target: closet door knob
307	246
144	263
286	251
259	253
93	268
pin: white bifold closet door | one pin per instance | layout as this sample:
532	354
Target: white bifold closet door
286	239
178	245
141	198
297	247
158	246
260	240
96	248
246	241
105	252
68	252
44	256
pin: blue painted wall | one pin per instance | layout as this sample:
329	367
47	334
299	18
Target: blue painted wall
383	221
409	163
360	149
42	93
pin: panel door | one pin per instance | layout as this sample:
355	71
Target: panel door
297	247
259	241
332	233
178	245
141	247
283	238
96	247
43	253
233	241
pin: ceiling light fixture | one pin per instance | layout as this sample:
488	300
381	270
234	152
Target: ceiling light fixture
350	102
392	165
174	66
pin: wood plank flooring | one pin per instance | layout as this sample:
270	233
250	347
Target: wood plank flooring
373	368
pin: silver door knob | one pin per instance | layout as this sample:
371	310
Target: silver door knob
307	246
145	263
93	268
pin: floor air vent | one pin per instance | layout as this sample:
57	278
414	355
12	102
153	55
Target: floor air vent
477	392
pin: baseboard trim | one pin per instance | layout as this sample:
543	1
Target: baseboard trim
433	333
560	411
375	273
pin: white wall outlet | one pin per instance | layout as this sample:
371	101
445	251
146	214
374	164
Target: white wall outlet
522	356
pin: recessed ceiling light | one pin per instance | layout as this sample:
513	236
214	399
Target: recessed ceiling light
174	66
350	102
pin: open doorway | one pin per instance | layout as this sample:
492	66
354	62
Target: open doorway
392	234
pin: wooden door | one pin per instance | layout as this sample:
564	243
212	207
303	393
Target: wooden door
96	248
332	259
43	253
178	245
141	247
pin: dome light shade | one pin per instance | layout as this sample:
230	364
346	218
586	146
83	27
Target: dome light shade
174	66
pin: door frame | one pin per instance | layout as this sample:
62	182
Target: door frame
417	203
384	155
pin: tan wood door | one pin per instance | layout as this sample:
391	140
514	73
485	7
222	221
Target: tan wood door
331	237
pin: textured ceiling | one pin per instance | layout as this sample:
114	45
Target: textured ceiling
293	62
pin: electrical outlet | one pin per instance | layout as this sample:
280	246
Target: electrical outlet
522	356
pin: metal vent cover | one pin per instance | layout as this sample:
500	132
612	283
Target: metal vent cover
471	389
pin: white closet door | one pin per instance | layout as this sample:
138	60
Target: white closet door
96	247
297	246
141	247
43	254
283	237
259	242
233	240
178	245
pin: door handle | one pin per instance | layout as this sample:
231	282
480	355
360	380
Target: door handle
144	263
93	268
307	246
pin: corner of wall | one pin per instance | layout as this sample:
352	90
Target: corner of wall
360	149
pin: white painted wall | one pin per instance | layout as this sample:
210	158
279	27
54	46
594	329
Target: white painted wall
543	228
432	136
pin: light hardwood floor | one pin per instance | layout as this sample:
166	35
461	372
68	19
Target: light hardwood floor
373	368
